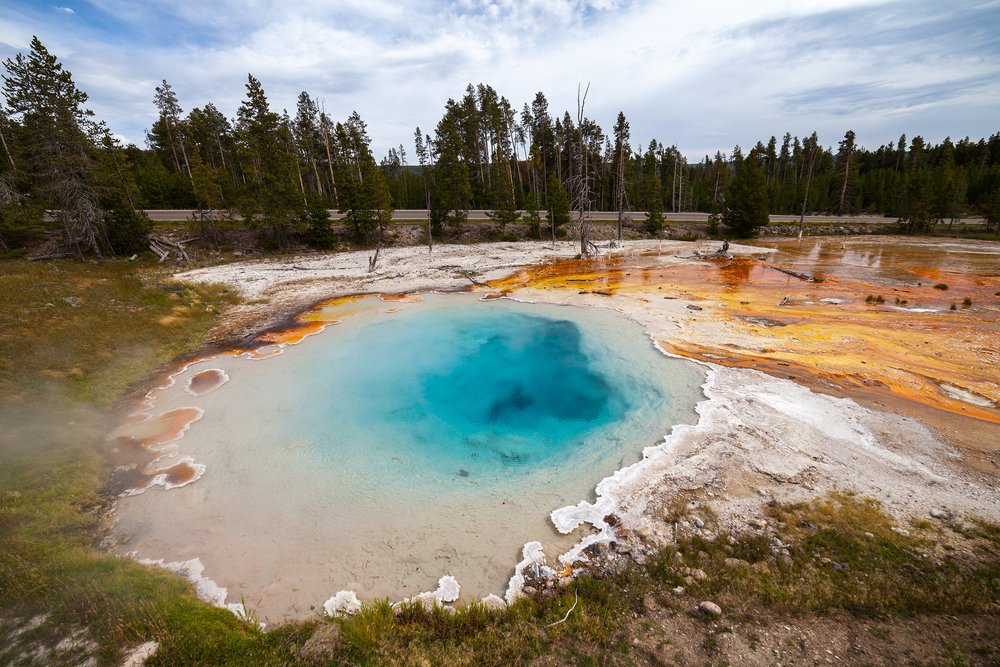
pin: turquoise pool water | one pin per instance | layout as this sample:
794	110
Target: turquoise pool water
409	441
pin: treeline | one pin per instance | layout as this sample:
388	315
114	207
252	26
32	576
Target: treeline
282	172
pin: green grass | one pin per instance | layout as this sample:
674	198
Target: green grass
879	571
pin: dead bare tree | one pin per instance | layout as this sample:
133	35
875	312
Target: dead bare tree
580	181
805	198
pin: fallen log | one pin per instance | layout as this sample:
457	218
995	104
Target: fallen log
178	248
795	274
473	280
53	255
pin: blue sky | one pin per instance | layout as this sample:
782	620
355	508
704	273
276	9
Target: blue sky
702	77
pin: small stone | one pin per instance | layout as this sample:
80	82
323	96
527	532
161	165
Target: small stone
74	301
757	523
710	609
639	558
735	562
867	534
901	531
678	590
529	590
786	560
322	645
623	548
699	575
938	513
698	522
691	306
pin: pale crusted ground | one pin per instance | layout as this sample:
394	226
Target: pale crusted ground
277	288
759	437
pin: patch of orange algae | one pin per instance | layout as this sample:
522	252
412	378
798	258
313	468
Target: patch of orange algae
902	349
138	447
294	335
312	321
205	381
164	428
401	298
178	474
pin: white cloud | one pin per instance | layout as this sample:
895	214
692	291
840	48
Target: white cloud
66	10
704	77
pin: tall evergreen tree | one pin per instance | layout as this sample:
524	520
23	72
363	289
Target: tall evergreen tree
58	143
621	162
847	168
452	188
746	198
271	195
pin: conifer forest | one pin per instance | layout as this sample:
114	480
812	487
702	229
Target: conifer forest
63	170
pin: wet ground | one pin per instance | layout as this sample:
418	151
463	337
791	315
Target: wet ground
908	324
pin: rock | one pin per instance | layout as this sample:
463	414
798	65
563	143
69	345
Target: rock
901	531
343	602
74	301
735	562
869	535
138	656
529	590
699	575
623	548
786	560
938	513
697	522
757	523
639	558
678	590
649	603
322	646
691	306
710	609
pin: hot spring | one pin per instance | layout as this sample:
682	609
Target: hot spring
404	442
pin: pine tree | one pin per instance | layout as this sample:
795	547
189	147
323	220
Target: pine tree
558	206
746	198
58	143
621	162
364	192
846	170
271	195
654	206
452	189
504	210
166	103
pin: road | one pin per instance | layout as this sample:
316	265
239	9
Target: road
419	215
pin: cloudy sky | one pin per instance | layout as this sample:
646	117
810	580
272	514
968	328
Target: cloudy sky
702	77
